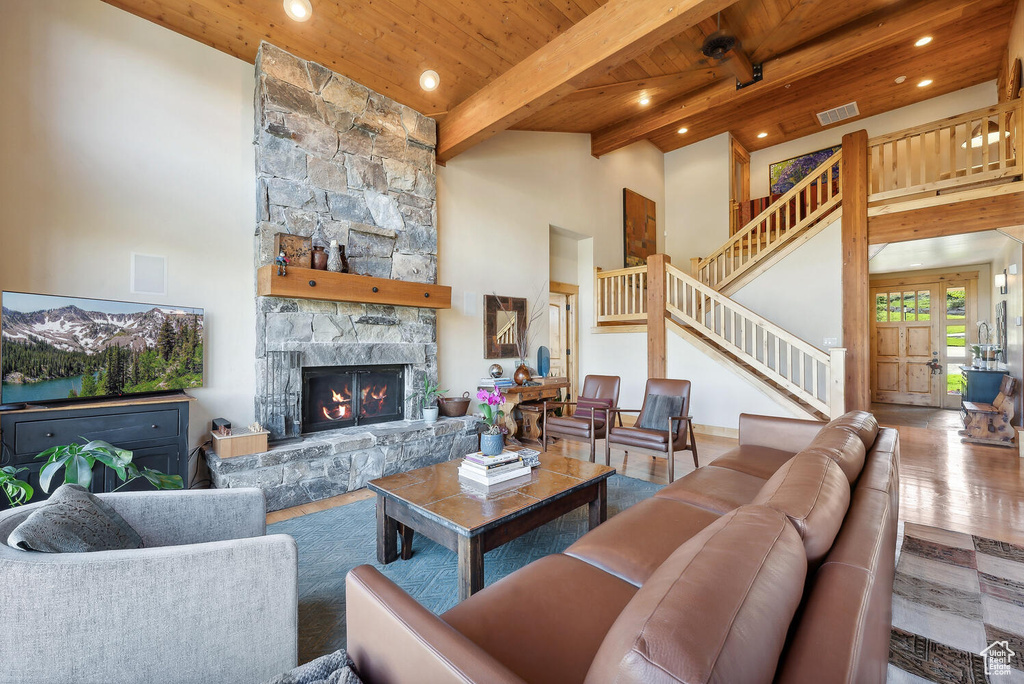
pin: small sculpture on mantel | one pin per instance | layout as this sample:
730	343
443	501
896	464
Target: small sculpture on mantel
282	263
336	261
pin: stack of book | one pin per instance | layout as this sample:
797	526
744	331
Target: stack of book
491	383
491	470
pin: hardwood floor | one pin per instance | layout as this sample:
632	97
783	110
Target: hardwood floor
943	483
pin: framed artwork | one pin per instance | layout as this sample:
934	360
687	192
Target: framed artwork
783	175
639	228
503	321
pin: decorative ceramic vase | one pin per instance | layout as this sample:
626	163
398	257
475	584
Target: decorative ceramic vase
492	445
429	414
334	259
319	258
522	374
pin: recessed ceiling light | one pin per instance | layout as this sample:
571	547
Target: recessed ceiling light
925	83
762	134
682	130
901	79
644	101
429	80
921	42
299	10
913	265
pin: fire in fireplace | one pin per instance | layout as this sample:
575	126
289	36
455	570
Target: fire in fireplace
340	396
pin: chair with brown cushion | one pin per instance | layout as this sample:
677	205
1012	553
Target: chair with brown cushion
589	419
663	426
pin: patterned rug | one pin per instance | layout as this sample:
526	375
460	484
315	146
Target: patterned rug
334	541
957	597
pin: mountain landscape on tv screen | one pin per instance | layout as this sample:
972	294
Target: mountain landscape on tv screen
76	351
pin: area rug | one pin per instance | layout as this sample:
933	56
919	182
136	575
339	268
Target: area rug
958	609
334	541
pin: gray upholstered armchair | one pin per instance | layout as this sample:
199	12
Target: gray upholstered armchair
210	599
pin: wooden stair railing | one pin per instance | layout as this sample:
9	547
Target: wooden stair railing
620	296
801	207
813	377
983	146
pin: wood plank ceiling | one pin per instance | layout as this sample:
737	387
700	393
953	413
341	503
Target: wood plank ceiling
386	45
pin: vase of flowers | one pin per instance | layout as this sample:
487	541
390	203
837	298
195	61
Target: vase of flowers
492	441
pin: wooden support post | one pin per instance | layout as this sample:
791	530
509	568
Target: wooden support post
837	382
695	267
656	295
856	294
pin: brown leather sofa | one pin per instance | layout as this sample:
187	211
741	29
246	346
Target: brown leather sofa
773	563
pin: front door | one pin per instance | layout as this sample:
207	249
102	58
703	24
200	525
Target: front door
558	329
905	346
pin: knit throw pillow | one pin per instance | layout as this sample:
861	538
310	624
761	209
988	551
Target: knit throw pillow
74	521
660	407
599	407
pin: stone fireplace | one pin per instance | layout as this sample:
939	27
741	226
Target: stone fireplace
336	161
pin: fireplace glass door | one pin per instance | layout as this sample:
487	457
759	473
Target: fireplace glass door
341	396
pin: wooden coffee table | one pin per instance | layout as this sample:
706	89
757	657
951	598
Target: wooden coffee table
468	520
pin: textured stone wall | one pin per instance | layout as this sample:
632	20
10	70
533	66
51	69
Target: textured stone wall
335	156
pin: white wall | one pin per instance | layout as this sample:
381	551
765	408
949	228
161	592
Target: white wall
958	102
803	291
122	136
496	203
563	258
697	200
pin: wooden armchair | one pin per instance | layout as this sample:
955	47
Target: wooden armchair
990	423
666	403
589	419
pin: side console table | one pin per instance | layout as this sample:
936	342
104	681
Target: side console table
155	429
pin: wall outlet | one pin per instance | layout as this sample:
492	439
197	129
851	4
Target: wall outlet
1018	321
831	341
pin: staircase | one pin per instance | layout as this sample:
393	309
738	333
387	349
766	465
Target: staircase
785	224
971	155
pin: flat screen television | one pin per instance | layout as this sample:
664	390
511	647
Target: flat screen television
59	348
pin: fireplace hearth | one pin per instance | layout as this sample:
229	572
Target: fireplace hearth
341	396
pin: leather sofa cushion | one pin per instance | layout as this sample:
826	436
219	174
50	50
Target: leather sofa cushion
843	447
639	437
632	544
785	434
811	490
860	423
719	490
881	466
717	610
856	580
545	621
759	461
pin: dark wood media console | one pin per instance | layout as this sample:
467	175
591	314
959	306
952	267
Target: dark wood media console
155	429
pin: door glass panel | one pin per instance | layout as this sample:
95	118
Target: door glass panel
881	315
924	305
954	379
955	347
956	302
909	307
895	307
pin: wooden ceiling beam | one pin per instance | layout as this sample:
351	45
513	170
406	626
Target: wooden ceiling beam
663	81
611	35
870	32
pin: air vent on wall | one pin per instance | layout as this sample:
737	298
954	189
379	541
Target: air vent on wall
831	116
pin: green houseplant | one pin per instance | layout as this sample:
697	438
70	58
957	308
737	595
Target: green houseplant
17	491
428	399
77	461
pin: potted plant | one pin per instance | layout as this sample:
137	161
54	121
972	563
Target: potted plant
428	400
492	441
17	491
77	461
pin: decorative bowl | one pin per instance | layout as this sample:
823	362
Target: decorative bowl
453	407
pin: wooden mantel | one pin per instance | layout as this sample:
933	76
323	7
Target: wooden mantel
307	283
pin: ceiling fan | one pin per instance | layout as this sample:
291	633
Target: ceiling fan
719	43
